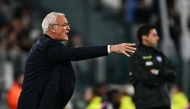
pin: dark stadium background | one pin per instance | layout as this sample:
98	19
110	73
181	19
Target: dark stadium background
95	22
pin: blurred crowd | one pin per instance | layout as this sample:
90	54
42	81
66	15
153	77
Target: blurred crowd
104	96
17	35
134	12
16	38
99	97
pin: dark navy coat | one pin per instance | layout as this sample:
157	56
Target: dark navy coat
49	78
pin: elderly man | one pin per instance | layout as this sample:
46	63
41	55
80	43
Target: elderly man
49	78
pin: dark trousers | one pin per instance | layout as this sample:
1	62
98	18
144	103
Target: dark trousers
165	107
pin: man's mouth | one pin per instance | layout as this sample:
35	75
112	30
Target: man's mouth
66	33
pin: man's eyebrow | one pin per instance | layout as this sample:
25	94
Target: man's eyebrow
66	23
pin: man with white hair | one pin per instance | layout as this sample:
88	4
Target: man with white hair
49	78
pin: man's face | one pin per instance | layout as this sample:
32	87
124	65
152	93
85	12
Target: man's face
62	29
152	38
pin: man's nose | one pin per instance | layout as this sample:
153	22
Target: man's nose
68	28
158	37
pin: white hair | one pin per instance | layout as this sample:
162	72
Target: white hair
50	19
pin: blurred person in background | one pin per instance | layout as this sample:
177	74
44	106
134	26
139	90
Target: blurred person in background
14	92
101	89
96	97
15	52
117	99
178	98
188	107
114	98
4	28
3	41
85	71
142	12
49	78
126	101
129	13
174	25
94	101
150	69
24	35
18	42
76	40
112	8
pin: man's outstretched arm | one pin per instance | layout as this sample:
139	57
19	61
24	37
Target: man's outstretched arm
59	52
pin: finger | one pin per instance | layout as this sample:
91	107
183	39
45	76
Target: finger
128	50
126	54
130	44
131	48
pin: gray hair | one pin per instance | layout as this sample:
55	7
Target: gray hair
50	19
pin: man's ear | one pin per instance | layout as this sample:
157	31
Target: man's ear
52	28
144	38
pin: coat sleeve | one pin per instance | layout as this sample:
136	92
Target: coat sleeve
58	52
168	71
142	73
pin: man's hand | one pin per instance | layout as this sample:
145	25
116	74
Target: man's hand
154	71
123	48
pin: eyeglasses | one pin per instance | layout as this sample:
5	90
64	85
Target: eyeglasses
63	25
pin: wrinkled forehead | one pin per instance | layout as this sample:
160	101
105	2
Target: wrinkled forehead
61	19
